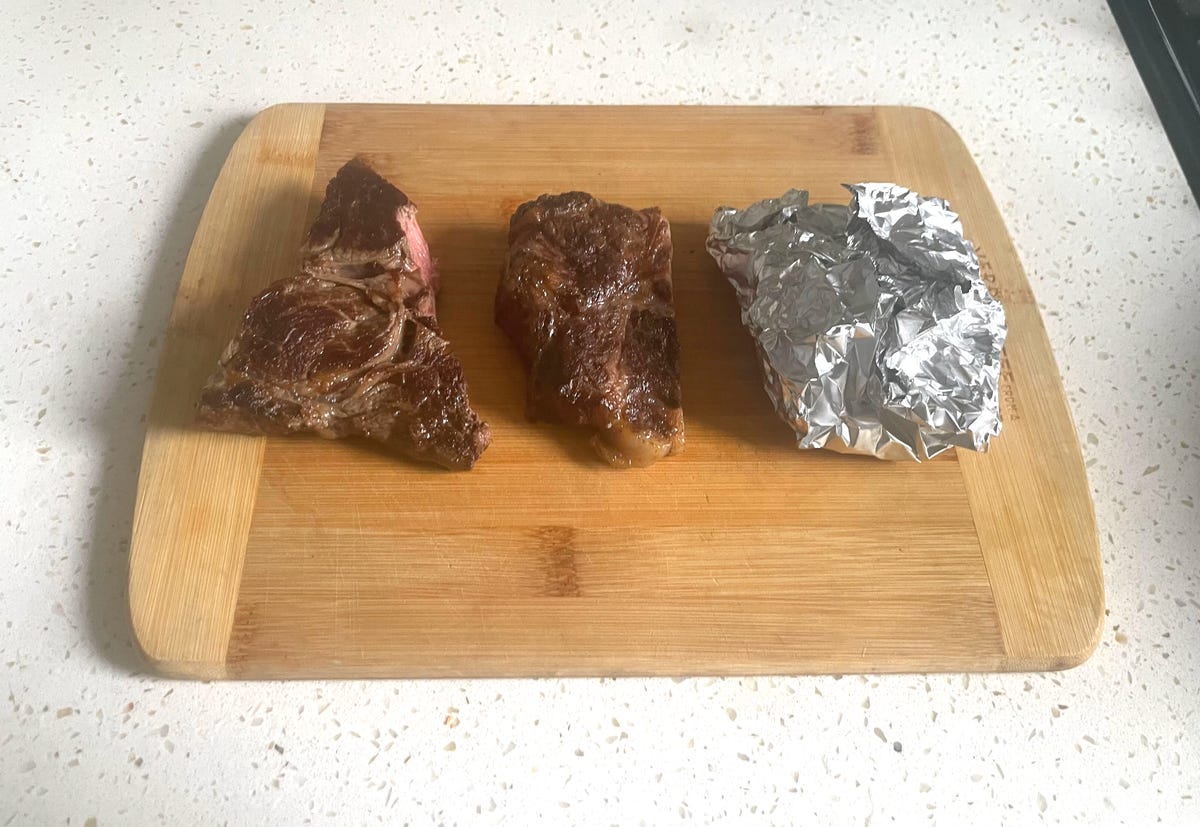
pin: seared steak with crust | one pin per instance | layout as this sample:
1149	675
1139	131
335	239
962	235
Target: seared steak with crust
350	346
586	298
366	227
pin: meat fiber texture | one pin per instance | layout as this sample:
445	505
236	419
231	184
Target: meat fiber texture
350	346
586	298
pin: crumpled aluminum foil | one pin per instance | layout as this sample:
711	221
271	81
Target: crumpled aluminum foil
877	334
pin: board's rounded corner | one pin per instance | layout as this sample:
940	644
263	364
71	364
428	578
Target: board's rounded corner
253	125
1094	634
149	648
272	111
159	662
1091	623
940	123
151	641
264	121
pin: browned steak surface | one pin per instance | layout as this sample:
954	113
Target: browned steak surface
586	298
366	227
350	346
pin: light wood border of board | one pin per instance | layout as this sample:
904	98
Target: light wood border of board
1049	513
196	490
184	579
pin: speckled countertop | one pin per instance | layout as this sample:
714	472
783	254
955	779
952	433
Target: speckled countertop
114	123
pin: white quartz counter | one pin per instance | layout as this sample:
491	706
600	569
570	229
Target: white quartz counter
114	120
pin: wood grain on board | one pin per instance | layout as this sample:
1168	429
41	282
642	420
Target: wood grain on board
299	557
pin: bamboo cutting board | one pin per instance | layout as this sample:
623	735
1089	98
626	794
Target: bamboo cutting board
255	557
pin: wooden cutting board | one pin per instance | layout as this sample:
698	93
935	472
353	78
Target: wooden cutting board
256	557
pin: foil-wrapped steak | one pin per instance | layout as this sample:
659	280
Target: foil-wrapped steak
586	298
350	346
875	329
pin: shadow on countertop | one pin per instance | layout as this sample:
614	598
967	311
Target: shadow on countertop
121	420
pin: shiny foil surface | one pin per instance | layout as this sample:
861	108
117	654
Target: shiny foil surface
875	331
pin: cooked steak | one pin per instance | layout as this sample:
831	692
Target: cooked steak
586	298
366	227
350	346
